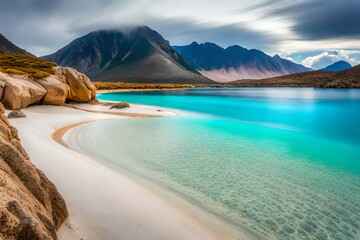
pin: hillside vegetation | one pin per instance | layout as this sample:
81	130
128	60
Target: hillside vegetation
26	65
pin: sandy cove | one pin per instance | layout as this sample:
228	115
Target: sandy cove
102	203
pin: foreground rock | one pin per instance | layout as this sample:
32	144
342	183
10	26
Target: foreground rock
30	205
66	84
16	114
81	88
57	91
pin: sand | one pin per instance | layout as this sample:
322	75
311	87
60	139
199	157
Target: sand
103	204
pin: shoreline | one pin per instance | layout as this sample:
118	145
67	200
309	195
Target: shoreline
78	226
101	91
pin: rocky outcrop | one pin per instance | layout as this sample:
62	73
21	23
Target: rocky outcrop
30	205
57	91
67	84
81	88
20	92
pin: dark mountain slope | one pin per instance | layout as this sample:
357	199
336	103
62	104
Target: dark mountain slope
7	47
138	55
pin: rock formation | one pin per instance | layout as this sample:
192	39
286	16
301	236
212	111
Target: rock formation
30	205
81	88
67	84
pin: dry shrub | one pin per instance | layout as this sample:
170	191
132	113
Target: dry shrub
26	65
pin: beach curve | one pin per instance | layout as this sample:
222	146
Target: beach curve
108	215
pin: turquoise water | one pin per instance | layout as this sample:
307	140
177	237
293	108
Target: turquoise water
257	163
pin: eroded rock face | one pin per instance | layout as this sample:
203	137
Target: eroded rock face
81	88
20	92
66	84
57	91
30	205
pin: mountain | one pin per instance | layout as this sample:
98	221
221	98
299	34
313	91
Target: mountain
337	67
349	78
7	47
139	55
235	62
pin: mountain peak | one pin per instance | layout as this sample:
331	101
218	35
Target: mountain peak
136	54
337	66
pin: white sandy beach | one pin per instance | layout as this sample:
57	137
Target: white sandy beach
102	203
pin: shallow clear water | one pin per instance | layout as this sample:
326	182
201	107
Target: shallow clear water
259	163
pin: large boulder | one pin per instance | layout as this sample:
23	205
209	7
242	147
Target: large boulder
16	114
30	205
67	84
20	92
81	88
57	91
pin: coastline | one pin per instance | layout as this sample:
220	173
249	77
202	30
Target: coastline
131	217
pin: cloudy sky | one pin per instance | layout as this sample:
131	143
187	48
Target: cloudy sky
312	32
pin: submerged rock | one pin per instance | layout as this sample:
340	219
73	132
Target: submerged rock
120	105
16	114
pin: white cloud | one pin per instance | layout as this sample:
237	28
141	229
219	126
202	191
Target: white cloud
286	55
329	57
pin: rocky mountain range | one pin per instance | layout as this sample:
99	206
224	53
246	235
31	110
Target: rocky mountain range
235	62
337	66
139	55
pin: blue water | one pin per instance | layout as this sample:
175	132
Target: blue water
258	163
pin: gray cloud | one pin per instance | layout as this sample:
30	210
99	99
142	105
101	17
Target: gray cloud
326	58
324	19
270	5
43	26
183	31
